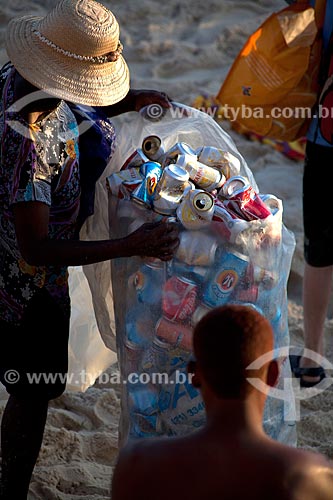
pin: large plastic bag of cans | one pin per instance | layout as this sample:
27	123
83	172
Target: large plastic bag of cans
234	248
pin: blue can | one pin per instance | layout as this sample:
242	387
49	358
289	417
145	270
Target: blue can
144	193
224	277
148	282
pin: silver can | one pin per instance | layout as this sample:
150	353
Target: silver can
180	148
152	147
225	161
196	209
136	159
170	189
199	313
204	177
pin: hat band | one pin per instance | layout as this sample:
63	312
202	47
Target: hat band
109	57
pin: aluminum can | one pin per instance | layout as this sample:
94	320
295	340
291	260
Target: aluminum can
152	147
227	223
196	209
196	248
243	199
131	176
179	298
170	156
157	357
272	202
203	176
265	278
148	282
175	334
133	355
200	312
170	189
142	398
224	278
136	159
144	194
195	273
224	161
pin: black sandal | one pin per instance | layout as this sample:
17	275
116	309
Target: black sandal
299	372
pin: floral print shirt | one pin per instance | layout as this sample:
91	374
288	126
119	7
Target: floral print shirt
39	162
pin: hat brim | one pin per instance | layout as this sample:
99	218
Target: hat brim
65	77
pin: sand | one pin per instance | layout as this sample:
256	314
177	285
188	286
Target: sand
183	48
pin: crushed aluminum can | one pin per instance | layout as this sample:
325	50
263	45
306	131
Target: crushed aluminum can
224	161
265	278
227	223
204	177
170	156
152	147
120	184
175	334
272	202
179	298
196	248
136	159
224	278
157	357
170	189
196	209
144	194
242	199
199	313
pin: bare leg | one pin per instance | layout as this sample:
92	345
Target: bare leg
316	295
22	430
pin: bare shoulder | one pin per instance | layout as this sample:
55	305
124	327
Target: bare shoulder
311	477
130	473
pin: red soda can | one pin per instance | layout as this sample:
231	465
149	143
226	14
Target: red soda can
179	298
242	199
227	223
174	333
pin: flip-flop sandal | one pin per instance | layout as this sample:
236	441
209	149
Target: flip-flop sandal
299	372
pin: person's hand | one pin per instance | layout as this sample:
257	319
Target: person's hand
154	239
143	98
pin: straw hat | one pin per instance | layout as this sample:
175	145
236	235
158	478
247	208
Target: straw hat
73	53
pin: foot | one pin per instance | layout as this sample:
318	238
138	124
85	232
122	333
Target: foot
309	372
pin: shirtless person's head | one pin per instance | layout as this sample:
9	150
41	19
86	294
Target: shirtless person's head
231	457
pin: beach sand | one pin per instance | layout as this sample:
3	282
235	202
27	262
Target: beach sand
183	48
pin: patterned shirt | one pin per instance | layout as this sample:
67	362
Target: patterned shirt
39	162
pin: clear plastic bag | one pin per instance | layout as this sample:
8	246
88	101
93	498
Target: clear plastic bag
140	291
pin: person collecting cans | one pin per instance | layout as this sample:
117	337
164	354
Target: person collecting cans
52	151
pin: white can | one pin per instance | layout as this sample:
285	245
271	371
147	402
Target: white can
224	161
170	189
180	148
129	175
205	177
196	209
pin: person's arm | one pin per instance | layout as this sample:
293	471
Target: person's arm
137	99
31	225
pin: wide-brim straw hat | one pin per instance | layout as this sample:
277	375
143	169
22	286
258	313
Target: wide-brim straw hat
72	53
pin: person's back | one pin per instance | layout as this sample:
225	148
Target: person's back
231	458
